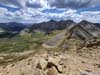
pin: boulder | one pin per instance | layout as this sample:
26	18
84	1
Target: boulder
42	64
52	71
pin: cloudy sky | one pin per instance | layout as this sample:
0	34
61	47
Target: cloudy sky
36	11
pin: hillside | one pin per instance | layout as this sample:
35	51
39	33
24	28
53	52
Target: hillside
91	27
12	26
11	29
51	25
68	49
82	31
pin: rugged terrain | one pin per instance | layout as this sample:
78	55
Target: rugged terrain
69	49
51	25
53	63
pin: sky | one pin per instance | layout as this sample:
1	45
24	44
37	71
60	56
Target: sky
36	11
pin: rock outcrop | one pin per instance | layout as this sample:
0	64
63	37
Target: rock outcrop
51	64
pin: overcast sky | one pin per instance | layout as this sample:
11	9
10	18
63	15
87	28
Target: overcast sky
36	11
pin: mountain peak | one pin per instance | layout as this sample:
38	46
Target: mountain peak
52	20
84	22
70	21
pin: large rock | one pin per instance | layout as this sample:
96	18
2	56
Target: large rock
42	64
52	71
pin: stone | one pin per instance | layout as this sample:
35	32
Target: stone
56	54
54	60
38	72
88	73
42	64
1	58
52	71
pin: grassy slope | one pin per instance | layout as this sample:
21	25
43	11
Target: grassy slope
25	42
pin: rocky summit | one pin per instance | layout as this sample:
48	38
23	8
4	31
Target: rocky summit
52	63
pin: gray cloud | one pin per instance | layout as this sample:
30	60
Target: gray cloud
17	3
32	15
52	3
34	5
23	3
73	3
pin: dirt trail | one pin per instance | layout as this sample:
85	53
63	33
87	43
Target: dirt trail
54	41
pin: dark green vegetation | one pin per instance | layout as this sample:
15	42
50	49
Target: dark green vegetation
24	42
21	43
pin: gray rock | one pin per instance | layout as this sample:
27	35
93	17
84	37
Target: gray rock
88	73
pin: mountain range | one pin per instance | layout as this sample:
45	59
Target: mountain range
12	27
49	26
59	25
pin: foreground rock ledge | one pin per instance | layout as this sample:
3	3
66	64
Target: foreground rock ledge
52	64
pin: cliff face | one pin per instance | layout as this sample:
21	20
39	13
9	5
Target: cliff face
91	27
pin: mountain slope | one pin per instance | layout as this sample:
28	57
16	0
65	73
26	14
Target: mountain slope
94	28
82	31
51	25
13	26
9	30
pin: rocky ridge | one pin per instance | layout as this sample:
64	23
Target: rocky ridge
52	63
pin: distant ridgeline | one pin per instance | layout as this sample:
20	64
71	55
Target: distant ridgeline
52	25
8	30
11	29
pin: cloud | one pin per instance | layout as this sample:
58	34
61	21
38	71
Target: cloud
37	4
25	3
28	15
92	16
64	15
73	3
31	11
31	15
13	3
2	11
51	3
